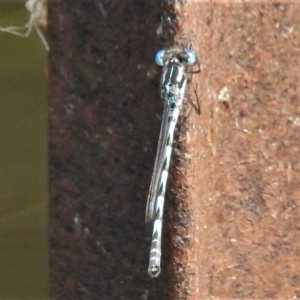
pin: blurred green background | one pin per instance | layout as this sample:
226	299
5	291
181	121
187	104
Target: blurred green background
23	160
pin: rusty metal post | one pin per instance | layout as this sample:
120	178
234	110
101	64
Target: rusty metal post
231	225
236	227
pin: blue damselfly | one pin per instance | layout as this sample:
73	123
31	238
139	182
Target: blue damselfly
176	64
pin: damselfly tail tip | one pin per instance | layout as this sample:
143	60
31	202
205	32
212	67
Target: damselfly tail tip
154	271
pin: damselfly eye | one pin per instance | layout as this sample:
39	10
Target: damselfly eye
159	57
191	57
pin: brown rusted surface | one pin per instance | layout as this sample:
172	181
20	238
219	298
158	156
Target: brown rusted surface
237	230
232	219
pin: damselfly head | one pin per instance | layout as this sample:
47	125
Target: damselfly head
186	57
159	57
191	57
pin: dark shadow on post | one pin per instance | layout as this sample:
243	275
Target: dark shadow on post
104	101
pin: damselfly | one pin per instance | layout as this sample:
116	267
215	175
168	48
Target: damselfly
176	64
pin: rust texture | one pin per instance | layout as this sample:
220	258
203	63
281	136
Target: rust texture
240	164
232	216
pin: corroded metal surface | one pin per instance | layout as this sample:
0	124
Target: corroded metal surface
239	236
231	227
